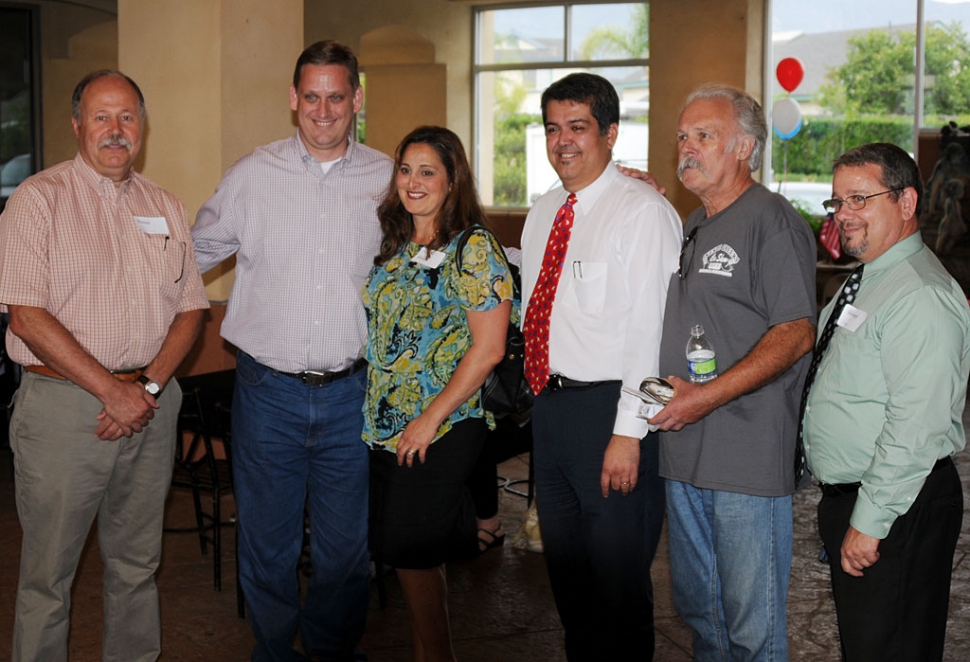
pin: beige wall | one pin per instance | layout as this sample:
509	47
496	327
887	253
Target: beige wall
694	42
88	50
446	24
216	77
216	73
404	85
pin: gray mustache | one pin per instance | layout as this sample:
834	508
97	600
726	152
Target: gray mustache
115	141
688	162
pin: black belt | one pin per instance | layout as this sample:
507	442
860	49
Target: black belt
841	489
558	383
319	377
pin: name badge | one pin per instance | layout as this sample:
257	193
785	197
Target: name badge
430	261
851	318
152	224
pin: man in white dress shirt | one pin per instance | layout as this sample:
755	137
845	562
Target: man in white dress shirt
599	495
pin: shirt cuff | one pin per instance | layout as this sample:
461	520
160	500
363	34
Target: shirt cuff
629	424
871	520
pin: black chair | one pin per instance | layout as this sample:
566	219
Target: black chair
204	416
224	421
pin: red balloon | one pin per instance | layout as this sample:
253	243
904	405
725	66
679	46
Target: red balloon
790	73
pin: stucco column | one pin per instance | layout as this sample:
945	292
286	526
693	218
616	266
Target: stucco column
216	77
724	44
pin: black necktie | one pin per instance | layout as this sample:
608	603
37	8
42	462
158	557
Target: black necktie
846	296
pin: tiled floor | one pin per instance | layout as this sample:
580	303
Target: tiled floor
501	606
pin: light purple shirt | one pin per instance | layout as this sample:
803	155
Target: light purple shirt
304	241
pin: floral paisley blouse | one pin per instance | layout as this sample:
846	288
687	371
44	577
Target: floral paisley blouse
417	332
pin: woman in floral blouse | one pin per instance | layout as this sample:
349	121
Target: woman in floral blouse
434	334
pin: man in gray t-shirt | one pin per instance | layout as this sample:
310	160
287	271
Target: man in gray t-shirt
728	445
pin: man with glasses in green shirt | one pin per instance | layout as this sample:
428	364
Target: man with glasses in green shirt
883	416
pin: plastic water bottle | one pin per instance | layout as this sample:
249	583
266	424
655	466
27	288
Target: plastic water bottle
701	361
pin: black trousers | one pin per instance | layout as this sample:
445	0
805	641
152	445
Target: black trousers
896	612
598	551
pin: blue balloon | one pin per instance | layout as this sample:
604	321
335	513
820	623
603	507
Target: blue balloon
786	118
790	134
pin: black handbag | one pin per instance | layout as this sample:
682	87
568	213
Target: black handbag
505	391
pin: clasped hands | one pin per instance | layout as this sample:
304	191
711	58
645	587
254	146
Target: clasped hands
127	410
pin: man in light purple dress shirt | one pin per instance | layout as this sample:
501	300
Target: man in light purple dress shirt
300	216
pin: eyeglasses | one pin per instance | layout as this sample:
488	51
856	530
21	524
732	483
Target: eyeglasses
853	202
685	266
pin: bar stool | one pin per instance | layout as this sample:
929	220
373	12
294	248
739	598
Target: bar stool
198	469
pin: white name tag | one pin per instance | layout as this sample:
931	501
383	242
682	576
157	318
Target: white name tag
430	261
152	224
851	318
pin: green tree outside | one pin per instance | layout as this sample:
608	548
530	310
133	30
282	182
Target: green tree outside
877	77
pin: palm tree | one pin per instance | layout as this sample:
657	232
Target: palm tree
612	42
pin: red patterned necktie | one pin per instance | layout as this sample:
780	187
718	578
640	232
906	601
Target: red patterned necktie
536	327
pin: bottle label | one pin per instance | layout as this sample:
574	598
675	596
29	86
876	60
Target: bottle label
701	368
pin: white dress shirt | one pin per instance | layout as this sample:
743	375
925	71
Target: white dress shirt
608	313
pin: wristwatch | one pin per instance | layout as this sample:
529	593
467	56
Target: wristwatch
152	387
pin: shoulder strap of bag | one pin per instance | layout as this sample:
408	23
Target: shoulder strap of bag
463	239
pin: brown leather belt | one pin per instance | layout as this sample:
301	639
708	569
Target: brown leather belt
123	375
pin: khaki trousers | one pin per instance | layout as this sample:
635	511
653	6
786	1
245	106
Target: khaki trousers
65	477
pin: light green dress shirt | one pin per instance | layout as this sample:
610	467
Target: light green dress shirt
888	398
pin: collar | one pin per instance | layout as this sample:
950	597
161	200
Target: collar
706	220
587	197
96	180
898	252
311	161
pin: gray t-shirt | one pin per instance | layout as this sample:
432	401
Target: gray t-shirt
749	267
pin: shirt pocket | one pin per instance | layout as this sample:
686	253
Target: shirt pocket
165	258
589	286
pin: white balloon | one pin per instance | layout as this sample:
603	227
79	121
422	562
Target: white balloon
786	118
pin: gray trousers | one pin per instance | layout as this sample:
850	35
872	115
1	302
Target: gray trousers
65	476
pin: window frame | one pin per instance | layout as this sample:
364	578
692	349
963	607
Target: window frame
565	63
919	82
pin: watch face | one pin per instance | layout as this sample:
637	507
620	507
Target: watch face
150	386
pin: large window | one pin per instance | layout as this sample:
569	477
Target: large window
18	99
519	52
874	70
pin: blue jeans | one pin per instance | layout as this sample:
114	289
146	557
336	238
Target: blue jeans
730	564
296	445
598	551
